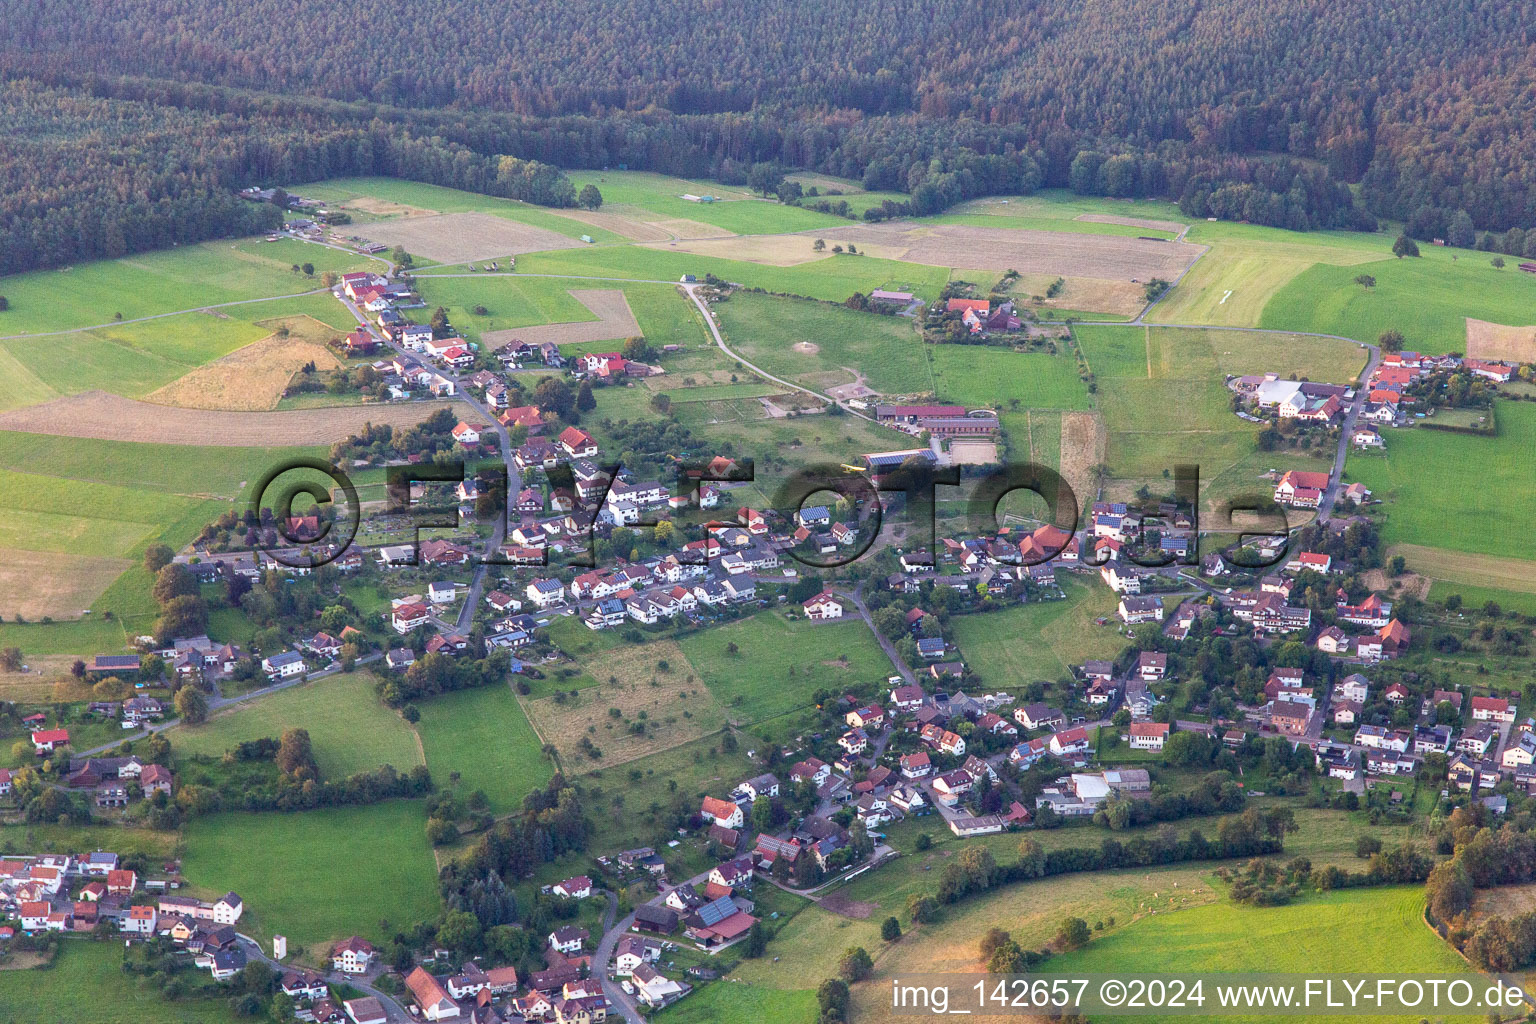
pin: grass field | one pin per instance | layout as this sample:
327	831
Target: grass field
1476	596
779	663
1247	265
484	736
819	345
834	278
86	982
189	277
1038	641
983	376
734	1002
509	301
50	838
352	731
1428	299
1162	396
658	197
1487	475
1386	926
326	874
623	815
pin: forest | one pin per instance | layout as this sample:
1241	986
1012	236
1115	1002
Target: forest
1261	111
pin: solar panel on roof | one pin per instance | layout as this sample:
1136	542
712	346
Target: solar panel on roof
717	910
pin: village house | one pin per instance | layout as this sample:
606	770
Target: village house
721	812
1148	735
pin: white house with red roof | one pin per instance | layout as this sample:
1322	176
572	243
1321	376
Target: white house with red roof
823	606
577	443
1492	709
1148	735
1070	741
726	813
602	364
44	741
1310	561
1301	489
354	956
466	433
409	616
578	887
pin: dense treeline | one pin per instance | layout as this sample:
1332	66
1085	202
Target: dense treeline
1250	110
97	177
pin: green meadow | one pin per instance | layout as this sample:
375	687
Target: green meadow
484	736
649	196
983	376
508	301
189	277
1042	640
1386	928
85	981
1428	298
778	663
350	728
833	278
1489	478
318	876
834	342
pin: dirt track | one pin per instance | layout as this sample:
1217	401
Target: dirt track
615	320
96	414
1044	252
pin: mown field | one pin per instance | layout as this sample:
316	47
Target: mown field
350	728
779	663
658	197
1458	491
318	876
1233	283
484	736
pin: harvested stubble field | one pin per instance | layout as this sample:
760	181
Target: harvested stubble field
462	237
96	414
1498	341
1083	443
773	250
37	583
1515	574
253	378
655	680
622	224
615	320
1027	251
